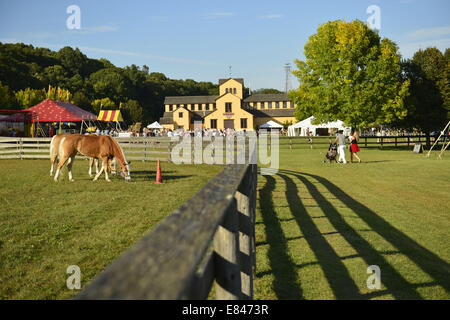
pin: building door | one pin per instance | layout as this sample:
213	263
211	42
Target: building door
229	123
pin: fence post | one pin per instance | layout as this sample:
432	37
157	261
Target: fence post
21	148
244	207
226	260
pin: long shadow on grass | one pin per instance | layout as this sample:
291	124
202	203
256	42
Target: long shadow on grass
286	282
337	275
429	262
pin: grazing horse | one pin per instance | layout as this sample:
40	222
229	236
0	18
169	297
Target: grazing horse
100	147
54	148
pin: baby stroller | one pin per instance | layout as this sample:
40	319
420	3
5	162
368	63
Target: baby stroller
331	153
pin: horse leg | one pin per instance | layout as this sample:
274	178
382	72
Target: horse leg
96	165
106	167
53	162
91	162
60	165
69	167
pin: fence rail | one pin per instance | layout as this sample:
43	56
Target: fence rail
210	237
144	149
364	141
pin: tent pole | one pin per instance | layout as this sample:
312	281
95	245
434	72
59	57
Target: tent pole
442	132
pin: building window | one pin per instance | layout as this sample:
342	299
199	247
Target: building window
213	123
214	106
199	107
170	107
207	106
270	104
262	105
228	107
180	114
178	106
226	90
284	104
292	104
234	90
243	123
277	105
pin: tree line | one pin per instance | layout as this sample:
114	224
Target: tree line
352	74
27	72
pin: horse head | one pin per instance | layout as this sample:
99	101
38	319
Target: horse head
125	171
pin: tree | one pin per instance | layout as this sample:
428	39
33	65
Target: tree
350	74
7	99
104	103
132	111
428	72
30	97
267	91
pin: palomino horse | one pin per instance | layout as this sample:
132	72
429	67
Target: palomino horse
100	147
54	148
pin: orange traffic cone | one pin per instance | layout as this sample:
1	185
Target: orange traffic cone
158	174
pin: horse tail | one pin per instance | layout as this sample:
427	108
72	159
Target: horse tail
60	148
52	147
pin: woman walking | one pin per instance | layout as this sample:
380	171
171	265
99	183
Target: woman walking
354	149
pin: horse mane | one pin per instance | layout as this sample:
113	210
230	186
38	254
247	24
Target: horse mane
117	151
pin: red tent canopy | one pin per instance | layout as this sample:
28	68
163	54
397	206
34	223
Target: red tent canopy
54	111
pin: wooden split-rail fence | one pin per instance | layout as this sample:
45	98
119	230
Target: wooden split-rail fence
144	149
209	239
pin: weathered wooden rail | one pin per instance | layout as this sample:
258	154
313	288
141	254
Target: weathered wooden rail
210	237
365	141
144	149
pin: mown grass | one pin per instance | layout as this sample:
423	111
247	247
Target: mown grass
47	226
320	225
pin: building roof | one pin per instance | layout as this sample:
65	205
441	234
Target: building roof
259	97
240	80
190	99
271	112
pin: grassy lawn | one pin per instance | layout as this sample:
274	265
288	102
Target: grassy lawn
47	226
320	225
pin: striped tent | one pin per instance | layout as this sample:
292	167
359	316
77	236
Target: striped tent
110	115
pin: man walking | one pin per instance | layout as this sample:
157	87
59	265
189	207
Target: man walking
340	140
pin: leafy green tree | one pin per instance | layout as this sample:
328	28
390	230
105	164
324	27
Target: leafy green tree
79	99
267	91
428	72
7	98
104	103
30	97
350	74
132	112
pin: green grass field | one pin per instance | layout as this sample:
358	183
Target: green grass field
318	225
47	226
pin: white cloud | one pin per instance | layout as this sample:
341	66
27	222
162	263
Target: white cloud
271	16
143	55
92	30
430	33
218	14
408	49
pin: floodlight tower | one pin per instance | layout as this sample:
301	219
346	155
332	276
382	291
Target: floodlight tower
287	70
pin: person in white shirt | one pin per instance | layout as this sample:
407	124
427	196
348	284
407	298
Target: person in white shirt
340	140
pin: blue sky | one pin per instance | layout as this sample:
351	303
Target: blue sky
200	39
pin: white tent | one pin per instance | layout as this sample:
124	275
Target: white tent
271	125
301	128
155	125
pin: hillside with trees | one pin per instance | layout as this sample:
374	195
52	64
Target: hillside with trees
27	72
